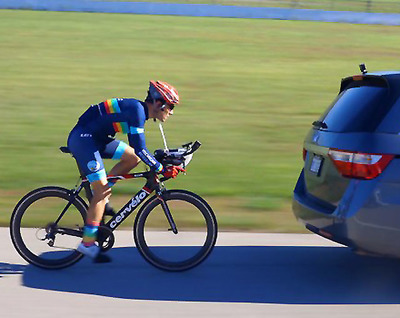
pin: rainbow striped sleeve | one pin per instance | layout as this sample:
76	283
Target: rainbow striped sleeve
111	106
121	127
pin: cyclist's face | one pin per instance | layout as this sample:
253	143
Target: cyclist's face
164	112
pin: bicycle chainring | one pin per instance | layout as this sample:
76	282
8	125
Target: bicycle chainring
105	238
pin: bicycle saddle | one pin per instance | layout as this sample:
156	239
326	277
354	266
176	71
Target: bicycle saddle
65	150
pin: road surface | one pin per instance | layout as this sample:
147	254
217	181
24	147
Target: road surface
247	275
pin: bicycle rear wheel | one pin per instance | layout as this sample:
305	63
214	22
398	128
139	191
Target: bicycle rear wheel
196	231
35	235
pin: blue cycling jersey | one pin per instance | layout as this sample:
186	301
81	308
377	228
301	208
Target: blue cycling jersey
127	116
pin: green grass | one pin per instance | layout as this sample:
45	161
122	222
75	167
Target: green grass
250	90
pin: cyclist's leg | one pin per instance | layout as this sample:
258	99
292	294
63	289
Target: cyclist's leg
118	150
101	193
86	153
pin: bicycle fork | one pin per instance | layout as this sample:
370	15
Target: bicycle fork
167	211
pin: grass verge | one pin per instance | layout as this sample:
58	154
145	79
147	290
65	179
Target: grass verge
250	90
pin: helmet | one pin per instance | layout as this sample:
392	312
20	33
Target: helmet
165	91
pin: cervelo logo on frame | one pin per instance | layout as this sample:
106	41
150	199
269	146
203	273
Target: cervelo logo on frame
130	207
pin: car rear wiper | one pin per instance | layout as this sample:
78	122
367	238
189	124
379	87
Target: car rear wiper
320	124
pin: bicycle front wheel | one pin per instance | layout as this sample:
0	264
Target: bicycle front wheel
42	234
193	240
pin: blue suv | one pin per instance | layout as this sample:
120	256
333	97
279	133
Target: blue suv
349	188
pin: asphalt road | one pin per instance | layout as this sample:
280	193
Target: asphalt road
248	275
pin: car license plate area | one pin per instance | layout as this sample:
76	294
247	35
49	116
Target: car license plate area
316	165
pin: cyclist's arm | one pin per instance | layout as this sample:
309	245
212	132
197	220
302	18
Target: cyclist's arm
137	141
136	120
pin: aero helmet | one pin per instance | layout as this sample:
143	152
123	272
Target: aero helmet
162	90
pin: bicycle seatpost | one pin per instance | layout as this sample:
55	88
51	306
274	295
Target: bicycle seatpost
86	185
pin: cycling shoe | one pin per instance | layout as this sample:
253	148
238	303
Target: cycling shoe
93	252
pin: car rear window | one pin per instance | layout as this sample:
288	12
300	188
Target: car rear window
358	108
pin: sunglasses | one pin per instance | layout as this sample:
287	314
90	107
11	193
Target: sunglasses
170	106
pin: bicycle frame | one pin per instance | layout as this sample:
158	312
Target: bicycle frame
152	184
68	213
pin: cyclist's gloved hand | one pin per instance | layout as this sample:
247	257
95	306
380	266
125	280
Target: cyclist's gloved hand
172	171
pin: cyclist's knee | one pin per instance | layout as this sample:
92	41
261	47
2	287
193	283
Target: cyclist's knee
129	158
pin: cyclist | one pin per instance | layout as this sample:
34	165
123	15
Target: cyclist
92	139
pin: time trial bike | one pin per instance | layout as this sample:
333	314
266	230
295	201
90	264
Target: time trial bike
174	230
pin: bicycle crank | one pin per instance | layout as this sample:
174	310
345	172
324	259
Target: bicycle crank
105	238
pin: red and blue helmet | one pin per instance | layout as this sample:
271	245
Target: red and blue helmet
163	91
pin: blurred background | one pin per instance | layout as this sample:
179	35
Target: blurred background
250	90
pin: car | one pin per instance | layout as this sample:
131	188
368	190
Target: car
349	188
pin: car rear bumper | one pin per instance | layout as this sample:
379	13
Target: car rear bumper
367	218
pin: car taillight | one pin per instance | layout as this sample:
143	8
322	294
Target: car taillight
359	165
304	154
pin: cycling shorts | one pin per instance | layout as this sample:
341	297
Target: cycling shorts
89	152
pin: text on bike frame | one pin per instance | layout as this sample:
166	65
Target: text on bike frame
128	208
